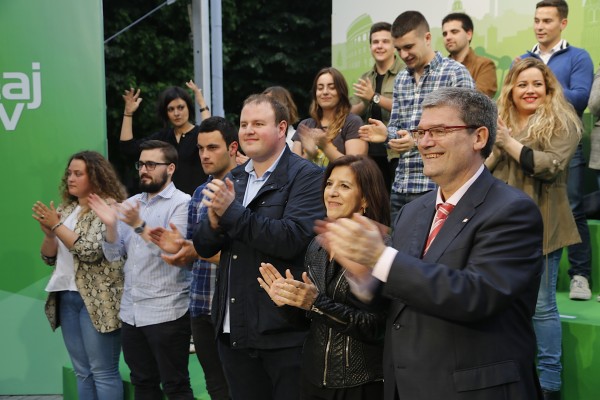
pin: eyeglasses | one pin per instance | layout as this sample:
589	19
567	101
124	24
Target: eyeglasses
150	165
438	132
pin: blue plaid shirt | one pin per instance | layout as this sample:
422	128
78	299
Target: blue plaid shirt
406	114
203	273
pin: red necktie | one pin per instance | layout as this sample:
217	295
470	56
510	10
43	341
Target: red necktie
443	210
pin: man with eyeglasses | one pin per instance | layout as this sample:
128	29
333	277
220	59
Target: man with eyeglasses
463	271
154	308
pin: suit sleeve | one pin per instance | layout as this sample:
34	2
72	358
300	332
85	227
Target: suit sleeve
492	264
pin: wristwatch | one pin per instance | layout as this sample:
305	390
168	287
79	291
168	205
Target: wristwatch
140	229
376	98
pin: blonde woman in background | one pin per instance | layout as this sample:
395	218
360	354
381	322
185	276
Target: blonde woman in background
538	133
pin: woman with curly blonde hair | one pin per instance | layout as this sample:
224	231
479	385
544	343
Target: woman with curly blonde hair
85	288
538	133
332	130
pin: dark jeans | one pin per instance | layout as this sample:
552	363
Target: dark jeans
255	374
399	200
205	343
158	354
580	255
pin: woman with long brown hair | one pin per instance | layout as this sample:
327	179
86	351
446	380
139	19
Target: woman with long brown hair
332	130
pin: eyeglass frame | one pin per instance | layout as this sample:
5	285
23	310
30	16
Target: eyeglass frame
150	165
444	129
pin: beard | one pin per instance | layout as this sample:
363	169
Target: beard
155	186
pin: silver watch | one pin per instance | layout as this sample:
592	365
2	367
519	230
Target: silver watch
376	98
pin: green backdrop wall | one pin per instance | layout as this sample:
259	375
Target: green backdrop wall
51	105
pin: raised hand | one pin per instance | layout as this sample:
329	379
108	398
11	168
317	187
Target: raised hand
132	100
364	89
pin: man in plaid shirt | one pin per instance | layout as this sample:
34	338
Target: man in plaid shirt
217	145
426	71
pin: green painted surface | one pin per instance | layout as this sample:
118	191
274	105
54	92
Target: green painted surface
51	106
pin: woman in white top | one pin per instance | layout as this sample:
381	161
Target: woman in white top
85	289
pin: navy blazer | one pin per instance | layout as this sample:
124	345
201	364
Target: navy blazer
459	325
275	227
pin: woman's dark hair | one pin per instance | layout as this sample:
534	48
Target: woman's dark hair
167	96
370	183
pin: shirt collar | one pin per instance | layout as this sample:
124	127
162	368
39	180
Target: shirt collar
433	64
562	44
455	198
249	168
166	193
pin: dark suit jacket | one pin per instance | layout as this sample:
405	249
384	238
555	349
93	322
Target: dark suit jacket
276	227
459	326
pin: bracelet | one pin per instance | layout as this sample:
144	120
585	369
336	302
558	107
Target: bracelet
127	115
204	109
55	227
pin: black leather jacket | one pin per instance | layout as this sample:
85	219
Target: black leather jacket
344	347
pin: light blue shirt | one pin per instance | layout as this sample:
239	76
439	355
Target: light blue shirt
254	185
154	292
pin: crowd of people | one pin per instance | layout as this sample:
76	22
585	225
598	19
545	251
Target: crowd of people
400	243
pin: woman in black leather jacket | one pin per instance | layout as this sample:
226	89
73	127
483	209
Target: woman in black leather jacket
343	352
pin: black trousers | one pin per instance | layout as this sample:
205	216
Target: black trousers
205	343
256	374
159	354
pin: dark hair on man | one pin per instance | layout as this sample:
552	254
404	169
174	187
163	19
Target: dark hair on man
409	21
281	112
370	183
285	98
464	19
220	124
167	96
473	107
167	149
561	6
378	27
102	177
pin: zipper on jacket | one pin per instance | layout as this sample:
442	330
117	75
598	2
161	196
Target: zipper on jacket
326	357
347	351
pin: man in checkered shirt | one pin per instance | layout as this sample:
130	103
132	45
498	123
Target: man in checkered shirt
426	71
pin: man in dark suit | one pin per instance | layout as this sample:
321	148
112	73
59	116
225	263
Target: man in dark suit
263	211
459	324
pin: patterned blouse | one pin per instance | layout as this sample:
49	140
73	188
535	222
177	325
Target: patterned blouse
99	281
